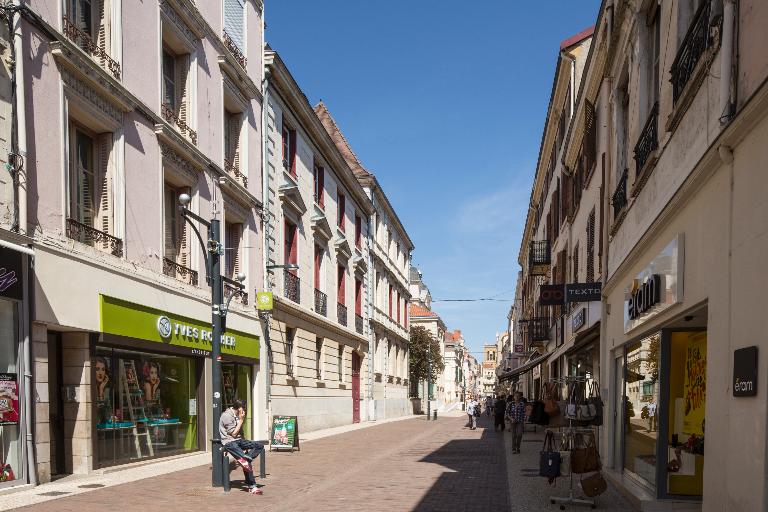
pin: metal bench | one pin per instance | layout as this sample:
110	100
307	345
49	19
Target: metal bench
226	466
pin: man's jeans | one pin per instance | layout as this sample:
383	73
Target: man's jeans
245	449
517	434
472	421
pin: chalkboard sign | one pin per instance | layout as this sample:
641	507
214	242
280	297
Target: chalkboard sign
285	432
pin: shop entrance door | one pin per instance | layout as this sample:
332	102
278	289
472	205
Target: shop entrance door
355	388
56	405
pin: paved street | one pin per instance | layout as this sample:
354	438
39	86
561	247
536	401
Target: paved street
406	465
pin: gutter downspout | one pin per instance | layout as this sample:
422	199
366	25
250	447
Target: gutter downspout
726	61
29	388
19	128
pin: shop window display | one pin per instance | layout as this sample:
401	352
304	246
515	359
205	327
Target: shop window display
145	405
10	434
641	398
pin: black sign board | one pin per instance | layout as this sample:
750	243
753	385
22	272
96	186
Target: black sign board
551	295
583	292
10	274
745	371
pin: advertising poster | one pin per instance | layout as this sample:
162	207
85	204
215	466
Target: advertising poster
9	399
695	392
285	432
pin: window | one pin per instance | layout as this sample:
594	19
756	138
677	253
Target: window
576	263
175	97
342	210
319	363
234	22
169	79
398	306
318	266
358	297
175	230
622	117
654	33
233	122
389	301
87	24
591	246
289	149
358	231
319	184
233	233
340	363
290	336
341	280
405	314
290	255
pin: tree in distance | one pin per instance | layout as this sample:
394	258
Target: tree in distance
422	344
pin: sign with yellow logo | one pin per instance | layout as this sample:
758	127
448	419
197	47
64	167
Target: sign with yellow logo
264	301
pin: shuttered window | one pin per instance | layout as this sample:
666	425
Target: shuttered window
342	212
342	282
233	233
358	231
175	230
591	247
90	177
290	254
358	297
233	122
318	176
234	22
318	266
289	149
175	94
576	263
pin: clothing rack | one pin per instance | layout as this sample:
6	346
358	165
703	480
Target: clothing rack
571	430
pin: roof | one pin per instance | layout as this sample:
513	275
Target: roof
417	310
341	142
577	38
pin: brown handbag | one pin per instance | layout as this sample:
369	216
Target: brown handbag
593	485
551	406
585	459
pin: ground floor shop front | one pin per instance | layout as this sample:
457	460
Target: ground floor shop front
684	344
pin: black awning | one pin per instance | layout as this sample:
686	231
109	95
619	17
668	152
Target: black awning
522	369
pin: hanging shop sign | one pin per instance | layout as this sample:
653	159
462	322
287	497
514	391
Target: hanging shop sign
124	318
9	399
264	301
10	274
745	372
579	319
583	292
657	287
285	432
551	295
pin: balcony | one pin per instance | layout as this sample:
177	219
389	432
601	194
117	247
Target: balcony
538	328
238	294
321	303
692	48
539	257
93	237
292	287
233	171
359	324
341	313
180	272
648	142
619	198
170	116
89	46
235	51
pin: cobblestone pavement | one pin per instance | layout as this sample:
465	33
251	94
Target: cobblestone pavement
411	465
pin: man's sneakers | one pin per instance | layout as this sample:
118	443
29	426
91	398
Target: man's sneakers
255	490
245	464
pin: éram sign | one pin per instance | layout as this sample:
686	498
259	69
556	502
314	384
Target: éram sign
745	371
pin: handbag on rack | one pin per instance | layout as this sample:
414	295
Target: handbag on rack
596	401
566	443
594	485
551	407
549	458
571	407
585	458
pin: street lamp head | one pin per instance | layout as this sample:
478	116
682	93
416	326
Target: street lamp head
240	277
184	199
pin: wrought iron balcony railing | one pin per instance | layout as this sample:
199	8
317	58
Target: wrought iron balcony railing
539	253
619	199
89	46
180	272
648	140
321	303
234	50
93	237
235	173
170	116
239	295
538	328
341	313
694	45
359	324
292	286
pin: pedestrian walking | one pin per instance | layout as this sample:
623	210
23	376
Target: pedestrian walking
516	413
499	409
472	407
488	405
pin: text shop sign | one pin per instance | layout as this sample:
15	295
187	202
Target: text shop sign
745	372
167	328
657	287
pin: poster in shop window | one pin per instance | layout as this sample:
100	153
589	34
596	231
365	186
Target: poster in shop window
695	392
9	399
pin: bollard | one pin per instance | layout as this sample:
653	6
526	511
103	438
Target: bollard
434	416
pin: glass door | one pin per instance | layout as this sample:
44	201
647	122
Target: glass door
11	458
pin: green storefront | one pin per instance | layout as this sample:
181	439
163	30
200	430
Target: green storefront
148	377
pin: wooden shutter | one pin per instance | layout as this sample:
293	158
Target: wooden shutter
183	244
389	301
83	180
342	285
169	222
576	263
104	178
342	210
318	265
103	36
358	297
233	129
591	247
182	70
290	243
292	151
590	137
358	230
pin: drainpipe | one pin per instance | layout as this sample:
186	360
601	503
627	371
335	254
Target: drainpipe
19	127
726	61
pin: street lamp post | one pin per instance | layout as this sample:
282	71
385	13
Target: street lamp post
212	252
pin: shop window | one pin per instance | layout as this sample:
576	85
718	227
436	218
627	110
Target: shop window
145	405
236	383
10	425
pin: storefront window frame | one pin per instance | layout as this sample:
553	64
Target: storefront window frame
22	477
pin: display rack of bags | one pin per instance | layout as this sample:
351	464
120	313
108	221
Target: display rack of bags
575	422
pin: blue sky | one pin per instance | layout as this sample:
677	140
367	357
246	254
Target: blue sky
445	102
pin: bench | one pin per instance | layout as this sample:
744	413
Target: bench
227	468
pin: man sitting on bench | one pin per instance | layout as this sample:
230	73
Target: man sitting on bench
243	450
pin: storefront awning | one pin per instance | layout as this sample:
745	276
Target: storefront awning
522	369
584	338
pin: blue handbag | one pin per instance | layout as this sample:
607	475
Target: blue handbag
549	458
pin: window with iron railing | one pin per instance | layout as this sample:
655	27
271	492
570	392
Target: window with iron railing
89	25
176	254
619	198
233	123
693	45
176	106
648	142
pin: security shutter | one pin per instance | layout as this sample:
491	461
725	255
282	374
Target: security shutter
234	18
